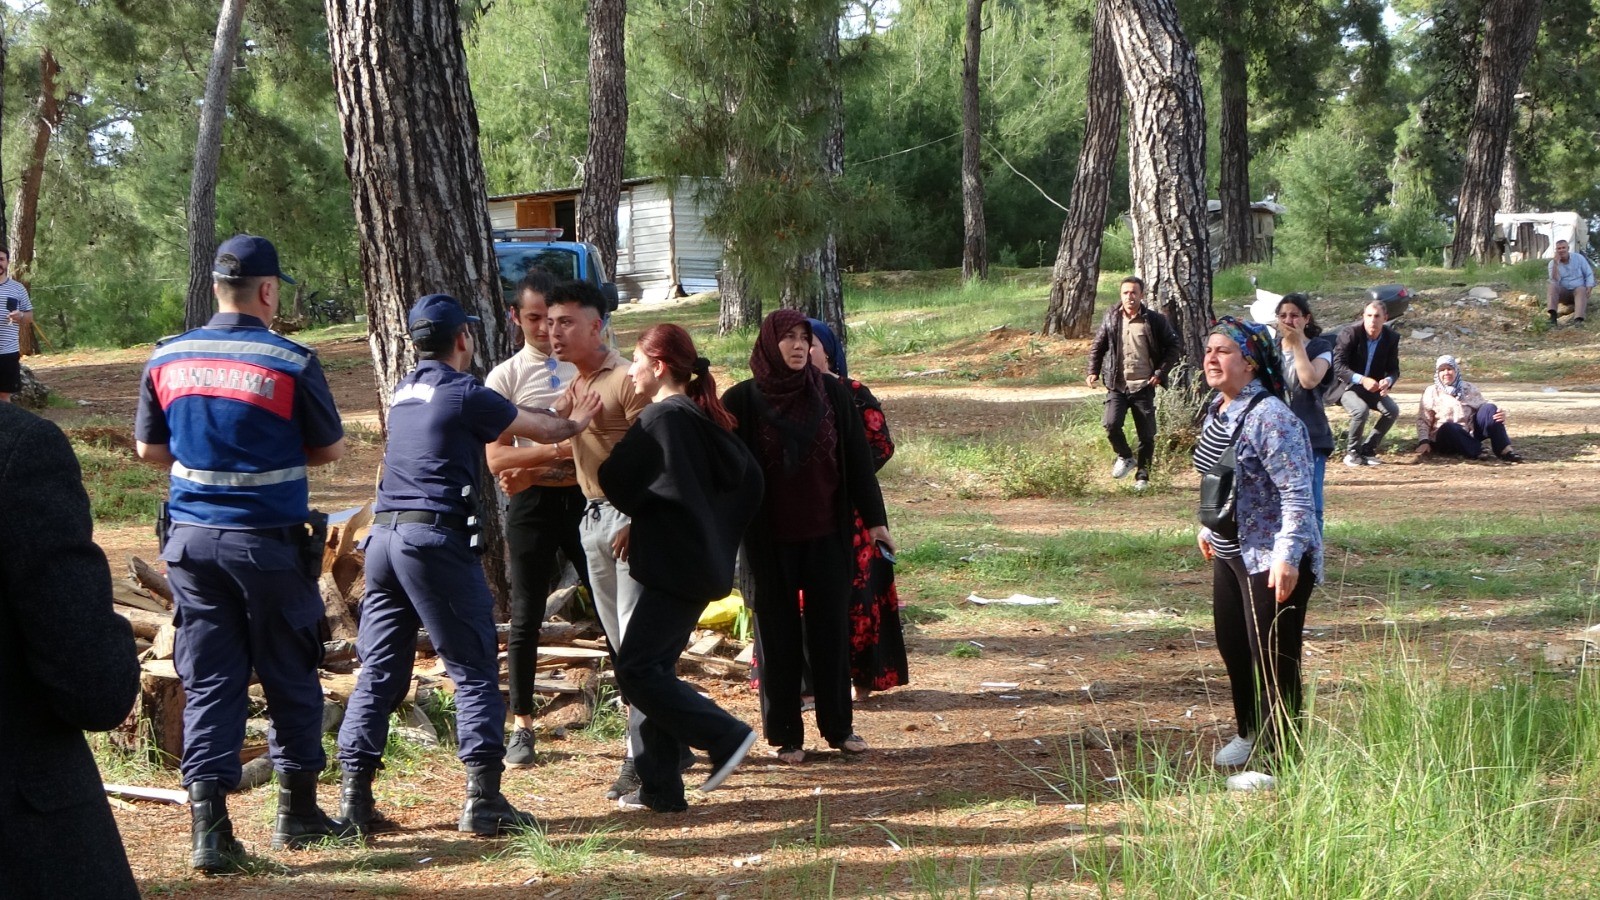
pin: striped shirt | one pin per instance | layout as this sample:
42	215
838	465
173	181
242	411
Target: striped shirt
1214	441
15	297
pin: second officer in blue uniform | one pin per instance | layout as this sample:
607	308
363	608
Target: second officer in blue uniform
422	570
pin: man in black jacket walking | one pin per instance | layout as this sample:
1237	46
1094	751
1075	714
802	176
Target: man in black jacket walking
1133	351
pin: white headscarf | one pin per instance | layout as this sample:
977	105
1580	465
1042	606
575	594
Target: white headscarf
1448	362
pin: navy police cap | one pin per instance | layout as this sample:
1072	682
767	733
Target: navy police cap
248	256
437	314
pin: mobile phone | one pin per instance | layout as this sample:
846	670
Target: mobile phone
885	552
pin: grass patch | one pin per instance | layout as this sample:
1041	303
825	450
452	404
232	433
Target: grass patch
1415	787
120	487
559	856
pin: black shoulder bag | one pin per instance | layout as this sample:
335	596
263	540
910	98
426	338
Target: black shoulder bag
1217	489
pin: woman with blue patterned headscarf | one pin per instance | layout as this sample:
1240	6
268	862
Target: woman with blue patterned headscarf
1263	575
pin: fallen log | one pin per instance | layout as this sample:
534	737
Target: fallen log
147	577
145	623
124	593
340	624
139	792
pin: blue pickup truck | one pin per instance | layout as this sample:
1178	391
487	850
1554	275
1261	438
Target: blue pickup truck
521	249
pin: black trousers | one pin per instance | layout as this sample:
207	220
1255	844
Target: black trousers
675	714
541	521
821	570
1143	404
1259	640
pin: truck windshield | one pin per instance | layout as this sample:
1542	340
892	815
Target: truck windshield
515	263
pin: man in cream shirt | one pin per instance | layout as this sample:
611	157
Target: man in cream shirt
546	502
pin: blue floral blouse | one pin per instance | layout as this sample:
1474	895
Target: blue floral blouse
1277	521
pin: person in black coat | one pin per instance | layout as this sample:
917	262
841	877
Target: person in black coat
690	488
1133	351
70	668
805	431
1366	365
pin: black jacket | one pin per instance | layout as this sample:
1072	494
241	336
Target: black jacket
1350	358
690	488
1105	354
70	668
858	480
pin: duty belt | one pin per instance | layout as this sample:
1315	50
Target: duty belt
420	517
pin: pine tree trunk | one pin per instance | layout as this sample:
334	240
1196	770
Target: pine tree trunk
411	152
974	250
1166	172
741	308
1076	278
3	218
1511	28
1233	185
608	129
830	283
1510	189
199	303
46	119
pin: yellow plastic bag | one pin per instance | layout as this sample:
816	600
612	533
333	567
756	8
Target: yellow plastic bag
720	614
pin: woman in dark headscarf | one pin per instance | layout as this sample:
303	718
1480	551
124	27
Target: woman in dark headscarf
877	643
1268	555
804	430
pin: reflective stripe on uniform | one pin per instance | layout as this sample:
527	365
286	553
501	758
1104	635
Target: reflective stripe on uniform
238	479
247	348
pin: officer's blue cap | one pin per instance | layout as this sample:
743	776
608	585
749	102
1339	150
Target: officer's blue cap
248	256
436	314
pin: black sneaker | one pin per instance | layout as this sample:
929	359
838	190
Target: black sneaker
519	752
627	781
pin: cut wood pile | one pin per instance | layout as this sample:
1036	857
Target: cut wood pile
573	676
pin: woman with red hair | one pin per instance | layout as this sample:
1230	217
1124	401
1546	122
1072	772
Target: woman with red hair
690	487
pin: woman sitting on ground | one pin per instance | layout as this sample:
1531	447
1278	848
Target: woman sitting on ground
1262	573
1453	418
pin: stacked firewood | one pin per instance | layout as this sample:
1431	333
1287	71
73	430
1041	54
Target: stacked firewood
573	676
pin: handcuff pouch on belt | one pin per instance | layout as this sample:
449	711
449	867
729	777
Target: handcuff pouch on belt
474	520
163	526
313	542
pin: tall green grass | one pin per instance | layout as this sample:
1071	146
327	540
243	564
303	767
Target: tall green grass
1412	787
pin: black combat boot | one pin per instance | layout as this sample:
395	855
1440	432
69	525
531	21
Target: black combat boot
215	849
300	821
358	812
487	812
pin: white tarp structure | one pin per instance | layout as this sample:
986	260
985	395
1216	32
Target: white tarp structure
1532	235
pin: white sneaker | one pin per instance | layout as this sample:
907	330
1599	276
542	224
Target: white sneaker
1236	752
1353	460
1122	466
1140	484
1371	461
1251	781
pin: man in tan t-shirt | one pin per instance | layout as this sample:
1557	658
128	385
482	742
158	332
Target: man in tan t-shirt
577	312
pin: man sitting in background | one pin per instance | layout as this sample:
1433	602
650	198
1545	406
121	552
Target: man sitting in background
1571	281
1366	364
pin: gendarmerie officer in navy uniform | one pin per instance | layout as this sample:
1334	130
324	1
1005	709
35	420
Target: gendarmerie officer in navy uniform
422	568
238	413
